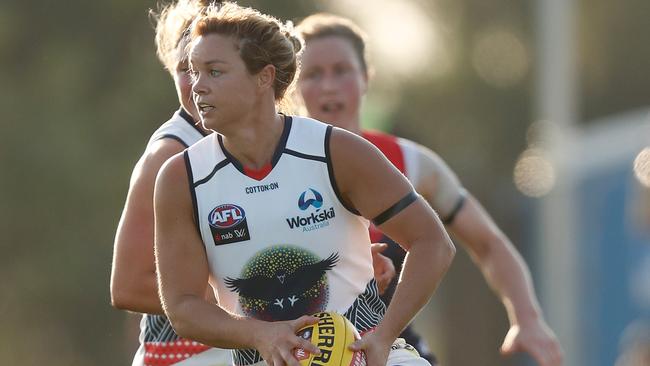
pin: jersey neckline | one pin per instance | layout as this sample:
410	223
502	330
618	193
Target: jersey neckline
263	172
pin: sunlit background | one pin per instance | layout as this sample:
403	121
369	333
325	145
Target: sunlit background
541	107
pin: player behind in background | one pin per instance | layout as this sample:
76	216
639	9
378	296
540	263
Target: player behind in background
133	278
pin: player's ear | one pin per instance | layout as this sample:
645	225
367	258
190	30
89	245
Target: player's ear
366	81
266	77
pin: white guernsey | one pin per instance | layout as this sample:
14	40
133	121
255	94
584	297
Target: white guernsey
283	251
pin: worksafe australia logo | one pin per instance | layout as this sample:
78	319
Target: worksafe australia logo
310	197
319	218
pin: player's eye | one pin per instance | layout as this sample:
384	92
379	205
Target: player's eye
312	74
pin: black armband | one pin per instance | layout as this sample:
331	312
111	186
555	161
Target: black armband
395	209
452	215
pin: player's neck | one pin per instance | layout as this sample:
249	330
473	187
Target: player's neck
200	126
255	141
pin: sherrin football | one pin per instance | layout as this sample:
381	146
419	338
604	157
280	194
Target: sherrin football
332	335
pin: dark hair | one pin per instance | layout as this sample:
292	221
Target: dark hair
323	25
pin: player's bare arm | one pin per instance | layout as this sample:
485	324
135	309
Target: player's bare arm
508	275
133	277
501	264
371	184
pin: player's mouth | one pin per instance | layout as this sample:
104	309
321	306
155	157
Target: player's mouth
204	108
332	107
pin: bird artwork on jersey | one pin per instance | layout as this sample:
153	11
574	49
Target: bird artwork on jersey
282	283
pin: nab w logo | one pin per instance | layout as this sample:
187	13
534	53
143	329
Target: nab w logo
228	224
226	216
310	198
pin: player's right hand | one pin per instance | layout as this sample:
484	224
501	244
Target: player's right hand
382	266
375	346
536	339
276	341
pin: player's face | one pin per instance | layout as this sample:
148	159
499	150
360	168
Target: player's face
183	82
332	82
224	90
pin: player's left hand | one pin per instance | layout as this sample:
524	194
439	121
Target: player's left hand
536	339
383	266
375	347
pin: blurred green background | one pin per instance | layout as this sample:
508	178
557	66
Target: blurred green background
82	90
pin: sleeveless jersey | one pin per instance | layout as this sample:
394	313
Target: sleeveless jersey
159	344
281	244
181	127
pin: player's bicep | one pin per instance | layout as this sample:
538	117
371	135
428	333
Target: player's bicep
375	188
367	181
180	256
439	185
134	236
414	223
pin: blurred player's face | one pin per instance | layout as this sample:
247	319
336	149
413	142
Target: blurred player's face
332	82
224	90
183	82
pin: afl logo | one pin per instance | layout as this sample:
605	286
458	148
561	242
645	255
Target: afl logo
226	216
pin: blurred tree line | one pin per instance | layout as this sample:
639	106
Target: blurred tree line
81	90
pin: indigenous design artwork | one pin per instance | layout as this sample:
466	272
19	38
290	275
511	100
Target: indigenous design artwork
283	283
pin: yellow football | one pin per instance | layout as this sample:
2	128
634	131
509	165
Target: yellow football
332	335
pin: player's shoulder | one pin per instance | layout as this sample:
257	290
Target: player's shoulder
170	138
417	150
152	159
180	127
307	136
206	152
301	125
161	150
350	139
173	169
379	137
171	183
353	149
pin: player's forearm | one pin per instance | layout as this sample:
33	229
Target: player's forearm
194	318
508	275
137	293
424	267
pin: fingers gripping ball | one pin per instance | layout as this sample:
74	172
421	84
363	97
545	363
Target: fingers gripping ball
332	335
